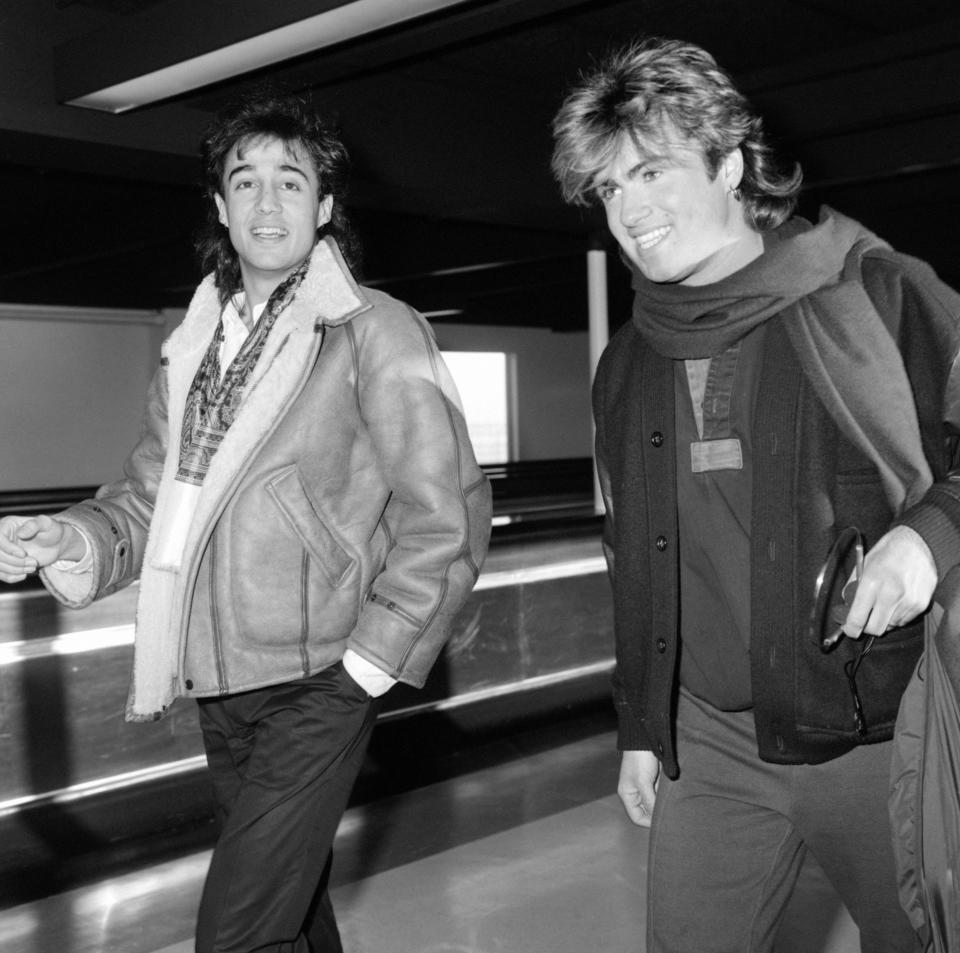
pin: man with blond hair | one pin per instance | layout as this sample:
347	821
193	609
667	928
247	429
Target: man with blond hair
780	391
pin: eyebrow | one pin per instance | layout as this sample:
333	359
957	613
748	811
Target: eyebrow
287	167
643	162
637	167
236	170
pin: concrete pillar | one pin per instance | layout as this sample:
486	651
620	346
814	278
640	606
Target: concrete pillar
599	324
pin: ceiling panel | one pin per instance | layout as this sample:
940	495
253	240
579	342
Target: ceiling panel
448	120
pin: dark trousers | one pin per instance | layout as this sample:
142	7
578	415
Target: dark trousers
729	836
283	761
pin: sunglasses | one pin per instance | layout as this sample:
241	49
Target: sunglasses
835	588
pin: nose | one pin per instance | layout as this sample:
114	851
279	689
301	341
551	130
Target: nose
634	204
268	201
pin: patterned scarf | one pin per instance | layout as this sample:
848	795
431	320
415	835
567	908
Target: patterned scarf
212	404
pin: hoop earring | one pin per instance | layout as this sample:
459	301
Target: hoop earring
736	193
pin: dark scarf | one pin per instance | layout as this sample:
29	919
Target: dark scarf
212	404
810	274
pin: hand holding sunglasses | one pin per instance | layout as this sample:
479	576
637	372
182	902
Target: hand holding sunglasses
903	580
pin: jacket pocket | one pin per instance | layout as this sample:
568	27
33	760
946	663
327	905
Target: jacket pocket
859	500
305	518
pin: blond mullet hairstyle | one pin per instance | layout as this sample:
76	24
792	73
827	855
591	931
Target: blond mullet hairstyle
655	87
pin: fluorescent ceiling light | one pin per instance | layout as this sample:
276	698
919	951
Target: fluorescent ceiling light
325	29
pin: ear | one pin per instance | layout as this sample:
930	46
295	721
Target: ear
221	209
324	211
732	169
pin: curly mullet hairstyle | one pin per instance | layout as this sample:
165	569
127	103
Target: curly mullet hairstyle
271	114
651	87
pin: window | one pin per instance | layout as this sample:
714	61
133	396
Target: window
483	379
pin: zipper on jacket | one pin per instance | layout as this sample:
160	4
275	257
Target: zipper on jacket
304	611
215	618
391	606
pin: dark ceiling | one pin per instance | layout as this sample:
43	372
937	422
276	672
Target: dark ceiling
448	121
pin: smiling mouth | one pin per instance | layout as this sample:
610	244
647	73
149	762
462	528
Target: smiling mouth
649	239
268	232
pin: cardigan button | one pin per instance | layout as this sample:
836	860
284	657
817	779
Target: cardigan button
189	683
661	543
656	438
661	646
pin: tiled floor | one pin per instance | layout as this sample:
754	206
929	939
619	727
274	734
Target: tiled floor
529	854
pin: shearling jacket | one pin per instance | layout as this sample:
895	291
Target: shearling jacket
344	507
808	483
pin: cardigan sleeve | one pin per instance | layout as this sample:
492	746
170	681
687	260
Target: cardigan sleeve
923	314
631	735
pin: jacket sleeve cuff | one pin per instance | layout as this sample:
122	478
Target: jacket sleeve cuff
73	584
630	733
937	519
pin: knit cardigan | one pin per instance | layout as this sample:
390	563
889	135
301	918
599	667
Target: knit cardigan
809	482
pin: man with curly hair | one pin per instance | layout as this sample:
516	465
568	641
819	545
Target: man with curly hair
303	510
781	386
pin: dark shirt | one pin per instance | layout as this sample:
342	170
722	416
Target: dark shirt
714	493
